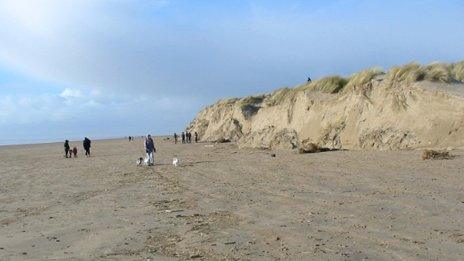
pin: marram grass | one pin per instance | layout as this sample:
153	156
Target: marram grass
406	74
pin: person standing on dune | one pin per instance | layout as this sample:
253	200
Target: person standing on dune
183	137
150	149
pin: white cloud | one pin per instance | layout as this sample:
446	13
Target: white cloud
75	104
71	93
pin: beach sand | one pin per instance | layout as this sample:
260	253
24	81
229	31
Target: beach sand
228	203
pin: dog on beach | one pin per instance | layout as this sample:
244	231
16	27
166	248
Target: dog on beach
140	161
175	162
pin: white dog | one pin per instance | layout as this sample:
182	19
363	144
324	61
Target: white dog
141	161
175	162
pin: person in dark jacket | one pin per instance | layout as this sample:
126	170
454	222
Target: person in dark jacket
150	149
196	137
86	145
66	148
183	137
175	138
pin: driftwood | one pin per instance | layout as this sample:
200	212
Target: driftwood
312	148
434	154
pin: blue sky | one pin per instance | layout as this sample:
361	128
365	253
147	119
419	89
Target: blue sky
105	68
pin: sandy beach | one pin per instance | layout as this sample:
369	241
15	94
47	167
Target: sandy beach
225	203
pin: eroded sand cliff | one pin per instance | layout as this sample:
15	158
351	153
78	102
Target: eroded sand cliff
407	107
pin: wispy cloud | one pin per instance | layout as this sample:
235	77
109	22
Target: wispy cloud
71	93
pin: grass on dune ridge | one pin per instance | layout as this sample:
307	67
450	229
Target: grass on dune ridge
408	73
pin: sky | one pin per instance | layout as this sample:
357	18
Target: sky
111	68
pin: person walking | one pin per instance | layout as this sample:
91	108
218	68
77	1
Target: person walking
86	145
175	138
150	149
196	137
66	148
183	137
189	136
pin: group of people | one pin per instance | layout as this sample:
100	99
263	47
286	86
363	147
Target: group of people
186	137
69	153
149	146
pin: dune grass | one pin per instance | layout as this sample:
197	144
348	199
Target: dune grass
280	95
252	99
331	84
458	71
438	72
360	79
434	72
406	74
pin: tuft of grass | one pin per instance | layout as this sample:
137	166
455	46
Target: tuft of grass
458	71
360	79
438	72
408	73
281	95
229	101
250	100
331	84
434	72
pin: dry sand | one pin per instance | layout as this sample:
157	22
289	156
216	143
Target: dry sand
226	203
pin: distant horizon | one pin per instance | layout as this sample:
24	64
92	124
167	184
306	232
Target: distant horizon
4	143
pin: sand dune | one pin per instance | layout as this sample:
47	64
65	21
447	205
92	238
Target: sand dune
407	107
228	203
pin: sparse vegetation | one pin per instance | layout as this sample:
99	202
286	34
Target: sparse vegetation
252	100
406	74
331	84
458	71
227	101
435	72
281	95
438	72
360	79
433	154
